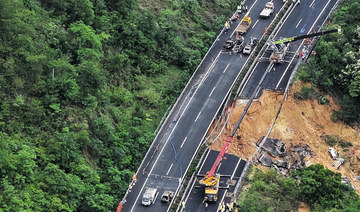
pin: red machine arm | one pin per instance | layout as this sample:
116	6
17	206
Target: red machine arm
219	157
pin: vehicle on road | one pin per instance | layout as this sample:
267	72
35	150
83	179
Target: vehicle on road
211	192
239	44
279	48
229	44
149	196
243	26
268	10
249	47
167	196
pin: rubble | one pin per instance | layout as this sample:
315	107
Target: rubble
275	147
265	160
338	163
333	153
293	158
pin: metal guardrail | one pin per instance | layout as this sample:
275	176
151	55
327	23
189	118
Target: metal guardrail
239	185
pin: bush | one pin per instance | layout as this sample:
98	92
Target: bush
306	93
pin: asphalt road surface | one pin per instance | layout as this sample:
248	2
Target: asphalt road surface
230	169
315	13
306	17
178	140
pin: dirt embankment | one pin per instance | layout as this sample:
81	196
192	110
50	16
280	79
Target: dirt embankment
300	122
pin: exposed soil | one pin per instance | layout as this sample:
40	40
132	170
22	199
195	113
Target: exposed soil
300	122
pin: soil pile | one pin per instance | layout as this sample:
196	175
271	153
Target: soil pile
300	122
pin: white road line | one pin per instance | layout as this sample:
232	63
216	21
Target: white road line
255	24
218	168
312	3
298	23
197	116
241	19
167	173
277	85
212	91
226	67
204	160
237	165
182	144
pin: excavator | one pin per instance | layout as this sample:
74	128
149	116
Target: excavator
279	48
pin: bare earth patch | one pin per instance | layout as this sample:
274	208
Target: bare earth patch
300	122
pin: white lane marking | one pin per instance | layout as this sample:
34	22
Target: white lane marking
218	168
182	144
204	161
237	165
212	91
277	85
312	3
226	67
245	15
167	173
298	23
207	74
285	20
163	147
255	24
197	116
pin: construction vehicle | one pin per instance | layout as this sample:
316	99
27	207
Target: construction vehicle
211	180
268	10
167	196
149	196
279	48
244	25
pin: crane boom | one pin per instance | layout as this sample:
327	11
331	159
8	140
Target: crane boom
295	38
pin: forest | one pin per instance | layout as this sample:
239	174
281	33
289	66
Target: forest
83	87
85	83
336	67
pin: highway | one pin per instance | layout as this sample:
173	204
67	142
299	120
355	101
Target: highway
308	15
180	137
305	17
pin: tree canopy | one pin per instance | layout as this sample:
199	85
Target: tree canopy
83	86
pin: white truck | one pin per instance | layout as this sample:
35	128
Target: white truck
268	10
149	196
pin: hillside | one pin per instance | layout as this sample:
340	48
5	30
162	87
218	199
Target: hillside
300	122
83	87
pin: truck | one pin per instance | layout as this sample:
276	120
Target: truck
268	10
243	26
149	196
211	192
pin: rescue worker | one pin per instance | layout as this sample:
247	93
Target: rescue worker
183	204
238	9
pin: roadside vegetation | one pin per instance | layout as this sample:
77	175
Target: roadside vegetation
336	67
318	187
83	86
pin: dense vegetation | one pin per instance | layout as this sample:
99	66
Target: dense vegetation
336	66
83	86
318	187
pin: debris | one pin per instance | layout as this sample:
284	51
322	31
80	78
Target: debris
338	162
265	160
275	147
345	180
333	153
